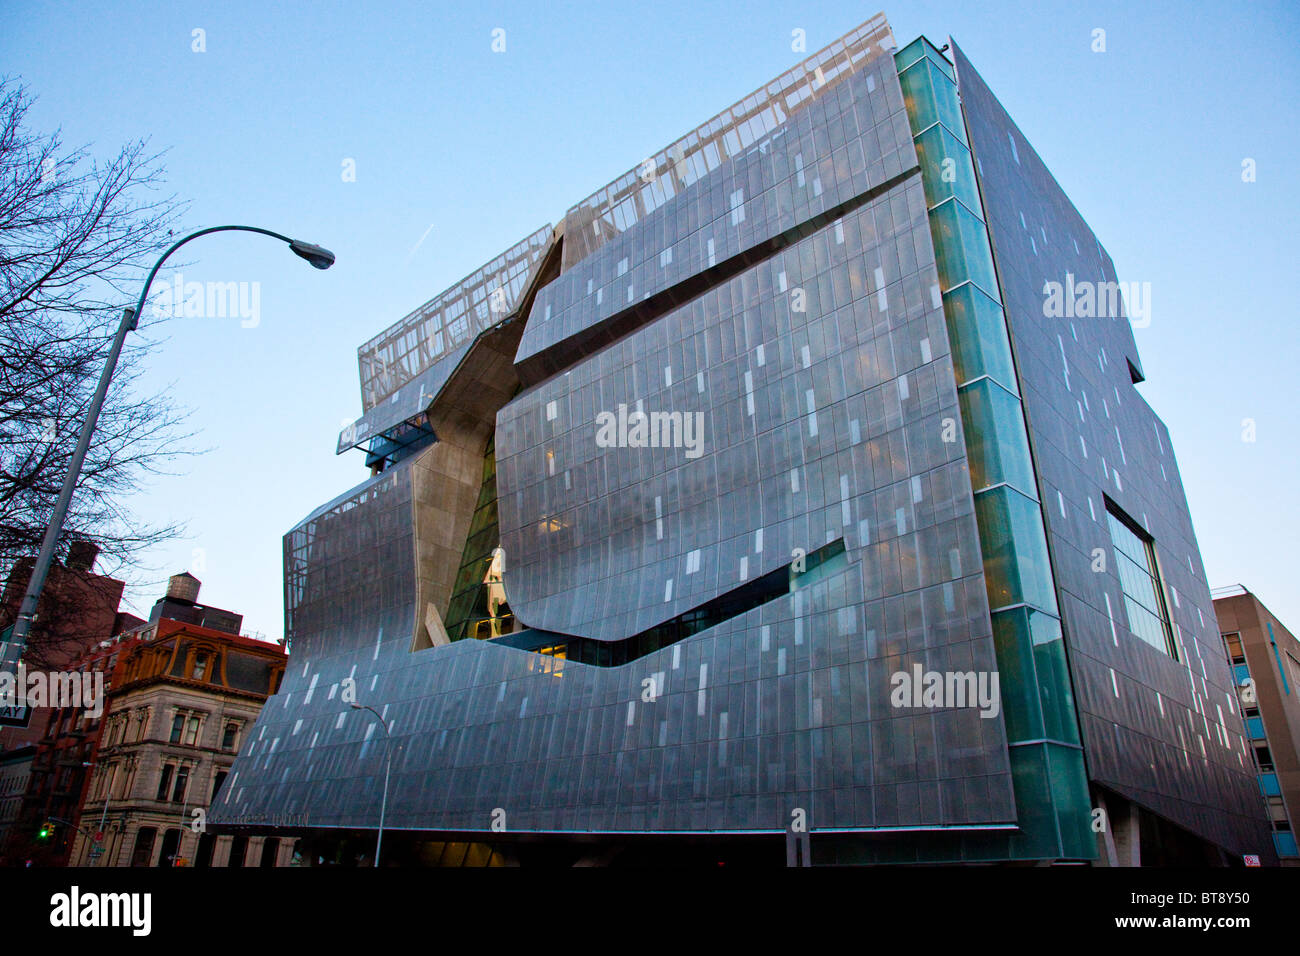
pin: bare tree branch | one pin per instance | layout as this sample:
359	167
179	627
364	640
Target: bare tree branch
77	236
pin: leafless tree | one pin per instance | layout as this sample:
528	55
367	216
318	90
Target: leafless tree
76	238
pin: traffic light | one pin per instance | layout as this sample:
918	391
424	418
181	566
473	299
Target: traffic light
46	829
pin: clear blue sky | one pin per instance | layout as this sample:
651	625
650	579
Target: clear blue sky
479	149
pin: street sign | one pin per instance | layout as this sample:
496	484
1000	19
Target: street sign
12	714
15	716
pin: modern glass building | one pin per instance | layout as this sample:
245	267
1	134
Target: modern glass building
771	501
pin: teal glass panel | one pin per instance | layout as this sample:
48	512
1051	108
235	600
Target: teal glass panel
921	48
978	331
931	97
1033	677
996	443
1055	691
1241	672
910	54
1035	812
946	168
1069	783
946	101
1268	784
1016	566
918	95
961	247
1255	728
941	61
1285	843
1017	680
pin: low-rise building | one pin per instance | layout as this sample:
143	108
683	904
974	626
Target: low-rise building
15	774
185	689
77	609
1265	660
48	741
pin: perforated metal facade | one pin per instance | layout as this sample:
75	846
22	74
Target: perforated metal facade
781	289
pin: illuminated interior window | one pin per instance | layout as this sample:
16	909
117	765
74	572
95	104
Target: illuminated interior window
550	659
478	607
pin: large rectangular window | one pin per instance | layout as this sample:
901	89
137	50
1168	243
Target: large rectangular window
1139	576
182	781
165	781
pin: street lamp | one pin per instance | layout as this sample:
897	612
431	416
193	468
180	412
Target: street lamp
318	256
388	766
191	779
103	816
96	840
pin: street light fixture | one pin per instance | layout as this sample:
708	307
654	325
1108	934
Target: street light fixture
388	766
318	256
191	779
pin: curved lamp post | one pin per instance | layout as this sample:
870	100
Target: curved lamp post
388	766
318	256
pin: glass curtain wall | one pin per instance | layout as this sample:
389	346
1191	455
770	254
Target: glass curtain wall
1050	781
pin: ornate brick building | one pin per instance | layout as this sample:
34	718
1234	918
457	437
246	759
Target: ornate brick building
185	690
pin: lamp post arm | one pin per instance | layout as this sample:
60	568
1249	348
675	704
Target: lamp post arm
80	829
144	294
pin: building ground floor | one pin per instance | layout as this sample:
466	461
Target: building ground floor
1127	835
154	839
